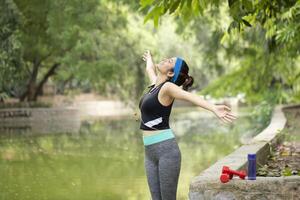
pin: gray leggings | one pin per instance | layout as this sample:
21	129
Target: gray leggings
162	164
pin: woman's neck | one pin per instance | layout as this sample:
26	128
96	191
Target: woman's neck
160	79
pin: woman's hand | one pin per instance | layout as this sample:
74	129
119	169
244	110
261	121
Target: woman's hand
223	113
147	55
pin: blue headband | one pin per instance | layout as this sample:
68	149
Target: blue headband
177	69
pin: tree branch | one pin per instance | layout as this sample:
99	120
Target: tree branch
32	80
50	72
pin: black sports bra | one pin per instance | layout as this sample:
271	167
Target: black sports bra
154	115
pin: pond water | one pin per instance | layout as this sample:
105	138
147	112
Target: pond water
105	160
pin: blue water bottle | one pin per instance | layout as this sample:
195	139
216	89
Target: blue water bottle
251	166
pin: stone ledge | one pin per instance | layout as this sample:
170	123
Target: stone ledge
208	185
277	123
236	189
40	120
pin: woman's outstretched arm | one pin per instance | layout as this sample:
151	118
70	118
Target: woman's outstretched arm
150	68
221	111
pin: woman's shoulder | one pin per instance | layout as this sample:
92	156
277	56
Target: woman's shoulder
169	84
166	86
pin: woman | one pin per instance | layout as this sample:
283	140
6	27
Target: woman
162	153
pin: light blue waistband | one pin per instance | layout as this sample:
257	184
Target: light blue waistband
161	136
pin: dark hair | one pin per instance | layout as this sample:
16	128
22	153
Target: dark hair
183	78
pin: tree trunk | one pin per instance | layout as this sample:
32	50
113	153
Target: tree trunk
64	83
44	80
29	93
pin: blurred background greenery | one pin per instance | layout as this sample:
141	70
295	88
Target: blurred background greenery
232	47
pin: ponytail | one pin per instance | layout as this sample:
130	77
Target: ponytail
188	82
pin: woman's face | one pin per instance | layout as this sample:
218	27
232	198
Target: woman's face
166	65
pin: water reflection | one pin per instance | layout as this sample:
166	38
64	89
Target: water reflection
105	160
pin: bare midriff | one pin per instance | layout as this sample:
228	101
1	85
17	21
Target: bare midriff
148	133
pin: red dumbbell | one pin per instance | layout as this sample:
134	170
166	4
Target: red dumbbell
224	178
230	172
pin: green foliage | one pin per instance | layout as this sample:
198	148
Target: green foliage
96	57
247	61
184	8
97	45
261	115
256	50
287	171
277	17
10	48
44	34
3	96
